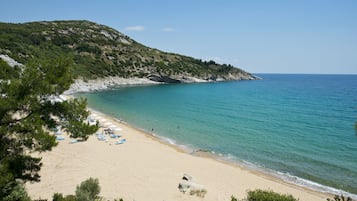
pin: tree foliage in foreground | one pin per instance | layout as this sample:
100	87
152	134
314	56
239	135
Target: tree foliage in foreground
27	114
340	198
88	190
263	195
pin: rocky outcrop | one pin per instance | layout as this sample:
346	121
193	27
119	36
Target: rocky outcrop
81	85
10	61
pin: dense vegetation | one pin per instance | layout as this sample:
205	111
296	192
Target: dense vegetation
100	51
340	198
27	116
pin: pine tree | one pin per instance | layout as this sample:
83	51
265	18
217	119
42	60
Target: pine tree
28	114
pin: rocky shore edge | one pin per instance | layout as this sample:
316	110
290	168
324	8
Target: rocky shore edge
99	84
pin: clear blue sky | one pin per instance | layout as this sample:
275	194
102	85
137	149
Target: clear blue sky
287	36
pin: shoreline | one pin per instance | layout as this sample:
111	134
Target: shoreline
242	174
99	84
273	175
261	172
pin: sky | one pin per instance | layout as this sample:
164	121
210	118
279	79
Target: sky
260	36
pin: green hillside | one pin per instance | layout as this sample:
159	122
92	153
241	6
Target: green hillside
100	51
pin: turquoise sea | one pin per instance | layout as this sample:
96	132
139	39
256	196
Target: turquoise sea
297	127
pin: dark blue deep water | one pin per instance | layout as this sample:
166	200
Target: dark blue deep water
298	127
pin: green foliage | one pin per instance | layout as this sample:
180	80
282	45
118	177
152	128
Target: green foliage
340	198
27	114
77	129
97	55
233	198
70	198
88	190
8	72
262	195
84	47
59	197
14	191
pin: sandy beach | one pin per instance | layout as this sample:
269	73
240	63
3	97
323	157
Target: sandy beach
144	168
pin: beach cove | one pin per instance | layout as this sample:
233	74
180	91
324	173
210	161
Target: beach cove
145	168
246	125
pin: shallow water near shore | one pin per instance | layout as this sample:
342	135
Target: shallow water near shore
293	126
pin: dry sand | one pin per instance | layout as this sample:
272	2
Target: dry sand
144	168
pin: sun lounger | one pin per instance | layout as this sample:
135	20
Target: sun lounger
101	137
92	123
114	136
59	138
74	141
121	141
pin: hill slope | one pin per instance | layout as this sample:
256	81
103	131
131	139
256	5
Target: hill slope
99	51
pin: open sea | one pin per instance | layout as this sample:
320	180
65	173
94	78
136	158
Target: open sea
296	127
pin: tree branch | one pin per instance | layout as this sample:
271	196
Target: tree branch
16	120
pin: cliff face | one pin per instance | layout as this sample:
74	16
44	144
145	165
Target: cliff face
99	51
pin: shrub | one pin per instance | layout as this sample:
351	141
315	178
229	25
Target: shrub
198	192
16	192
340	198
57	197
233	198
88	190
70	198
262	195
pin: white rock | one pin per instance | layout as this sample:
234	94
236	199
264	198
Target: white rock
104	83
10	61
